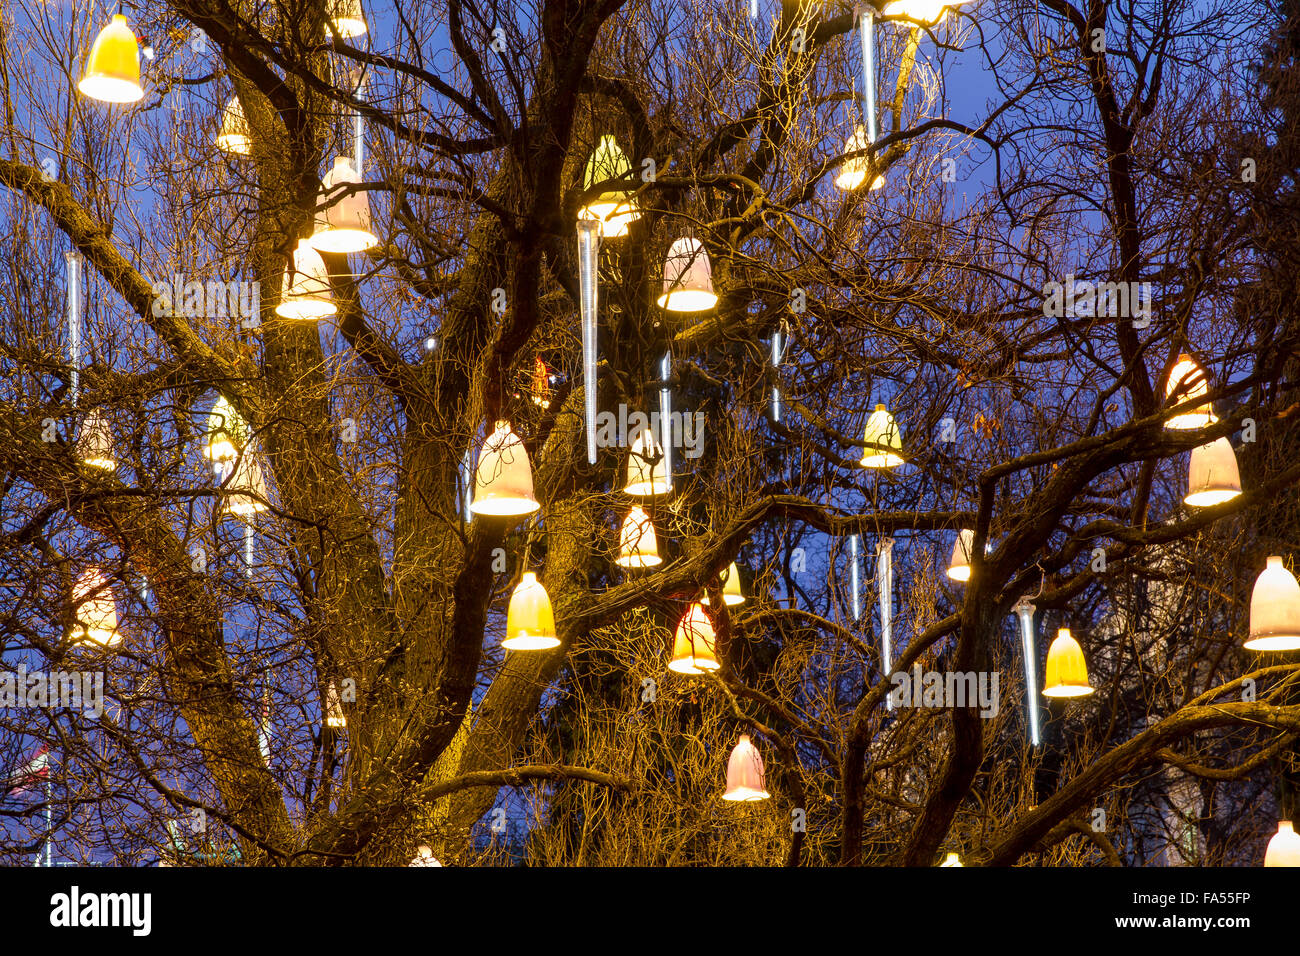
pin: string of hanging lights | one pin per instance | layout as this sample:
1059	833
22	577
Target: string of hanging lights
503	485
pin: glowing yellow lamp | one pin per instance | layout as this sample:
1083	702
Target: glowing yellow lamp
530	622
113	67
1067	673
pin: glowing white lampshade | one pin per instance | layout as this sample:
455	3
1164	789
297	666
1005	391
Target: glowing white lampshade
95	443
929	12
344	224
614	209
113	67
637	545
347	18
424	857
1284	848
334	716
226	432
688	278
503	482
305	292
1067	672
959	564
746	780
246	490
882	441
233	137
1275	610
95	610
1212	476
1188	381
853	172
646	472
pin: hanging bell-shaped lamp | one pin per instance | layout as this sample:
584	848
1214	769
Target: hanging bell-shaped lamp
347	18
1067	673
688	278
746	780
637	545
952	859
1188	381
424	857
929	12
884	444
615	209
959	564
694	643
646	476
503	482
246	491
1212	476
530	622
1274	610
227	432
853	172
113	67
305	293
344	224
95	443
731	592
334	716
1284	848
233	137
95	610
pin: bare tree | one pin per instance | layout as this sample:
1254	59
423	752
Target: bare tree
357	617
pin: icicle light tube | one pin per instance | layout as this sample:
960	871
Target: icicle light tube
853	577
588	248
359	135
885	581
666	417
1025	611
74	323
776	368
867	37
248	547
467	485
